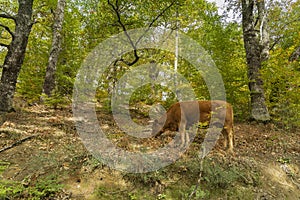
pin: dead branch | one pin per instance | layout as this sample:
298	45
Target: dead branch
295	55
8	30
283	28
7	16
4	45
18	143
155	19
275	43
116	9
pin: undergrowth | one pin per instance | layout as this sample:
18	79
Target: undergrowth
45	188
179	180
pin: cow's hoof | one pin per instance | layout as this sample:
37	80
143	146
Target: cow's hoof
184	145
230	152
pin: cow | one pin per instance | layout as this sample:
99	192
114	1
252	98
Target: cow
194	112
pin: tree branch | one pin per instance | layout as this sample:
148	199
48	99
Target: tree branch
6	15
155	19
36	12
160	14
275	42
8	30
4	45
18	142
283	28
116	9
295	55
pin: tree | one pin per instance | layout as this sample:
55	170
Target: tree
256	45
16	52
125	12
49	83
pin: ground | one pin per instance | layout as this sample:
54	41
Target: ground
52	162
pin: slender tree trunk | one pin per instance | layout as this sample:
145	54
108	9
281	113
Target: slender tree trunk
255	45
264	42
15	55
49	83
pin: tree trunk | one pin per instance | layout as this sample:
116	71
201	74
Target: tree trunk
255	53
15	55
264	42
49	83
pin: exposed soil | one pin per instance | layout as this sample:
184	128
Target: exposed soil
56	149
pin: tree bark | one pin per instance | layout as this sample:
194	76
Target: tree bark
254	43
15	55
264	42
49	83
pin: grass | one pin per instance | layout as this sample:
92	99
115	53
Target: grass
43	189
178	181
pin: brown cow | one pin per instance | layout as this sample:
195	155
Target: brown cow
173	120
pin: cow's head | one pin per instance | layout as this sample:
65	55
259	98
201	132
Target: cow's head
158	126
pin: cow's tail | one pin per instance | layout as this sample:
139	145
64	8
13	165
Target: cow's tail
232	128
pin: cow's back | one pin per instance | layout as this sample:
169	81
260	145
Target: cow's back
220	110
198	111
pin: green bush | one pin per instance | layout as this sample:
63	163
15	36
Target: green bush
220	177
282	90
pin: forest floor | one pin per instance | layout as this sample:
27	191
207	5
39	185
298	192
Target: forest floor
52	163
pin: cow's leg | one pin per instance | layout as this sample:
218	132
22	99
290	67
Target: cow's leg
182	131
187	138
225	136
230	140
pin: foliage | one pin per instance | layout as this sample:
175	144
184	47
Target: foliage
11	7
87	23
282	76
31	78
282	88
56	100
33	71
199	194
43	189
113	191
3	166
218	178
